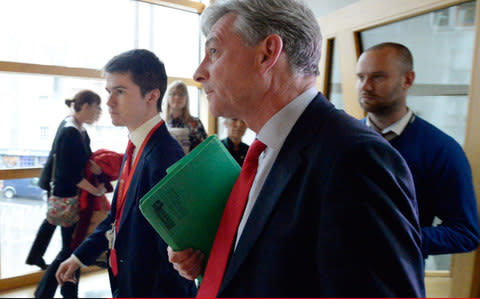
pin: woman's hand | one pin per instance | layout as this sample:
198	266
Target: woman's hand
94	168
100	190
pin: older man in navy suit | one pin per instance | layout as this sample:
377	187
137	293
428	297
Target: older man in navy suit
138	262
331	211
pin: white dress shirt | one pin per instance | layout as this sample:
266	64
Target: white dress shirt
139	134
273	135
397	127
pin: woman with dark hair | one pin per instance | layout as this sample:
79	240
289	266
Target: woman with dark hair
188	130
67	160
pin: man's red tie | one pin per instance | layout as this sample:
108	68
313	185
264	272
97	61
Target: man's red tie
128	158
121	195
231	217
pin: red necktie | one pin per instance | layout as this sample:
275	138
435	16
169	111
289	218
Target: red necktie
128	159
217	262
121	195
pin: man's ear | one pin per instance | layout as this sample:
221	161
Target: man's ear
153	95
409	78
270	50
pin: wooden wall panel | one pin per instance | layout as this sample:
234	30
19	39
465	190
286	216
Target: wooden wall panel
347	52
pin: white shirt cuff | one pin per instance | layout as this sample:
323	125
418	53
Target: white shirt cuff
78	261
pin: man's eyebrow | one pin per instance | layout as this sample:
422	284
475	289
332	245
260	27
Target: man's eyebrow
119	87
372	73
116	87
210	41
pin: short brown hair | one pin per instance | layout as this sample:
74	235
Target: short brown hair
406	58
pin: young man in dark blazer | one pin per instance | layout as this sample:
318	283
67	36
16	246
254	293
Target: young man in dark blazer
138	263
332	210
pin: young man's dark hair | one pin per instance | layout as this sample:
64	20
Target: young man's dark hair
147	71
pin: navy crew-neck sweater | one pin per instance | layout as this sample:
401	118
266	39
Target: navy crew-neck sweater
444	188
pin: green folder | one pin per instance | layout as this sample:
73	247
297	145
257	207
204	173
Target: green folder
186	206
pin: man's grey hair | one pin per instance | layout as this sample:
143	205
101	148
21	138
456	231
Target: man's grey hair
292	20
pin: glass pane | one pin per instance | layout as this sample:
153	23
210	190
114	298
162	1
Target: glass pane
441	43
173	35
194	101
87	33
447	113
32	108
335	96
22	209
222	132
67	33
442	54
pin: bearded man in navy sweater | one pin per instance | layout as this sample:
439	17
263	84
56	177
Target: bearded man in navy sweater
440	169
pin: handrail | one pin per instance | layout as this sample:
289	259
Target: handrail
19	173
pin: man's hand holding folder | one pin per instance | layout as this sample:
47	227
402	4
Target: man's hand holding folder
189	263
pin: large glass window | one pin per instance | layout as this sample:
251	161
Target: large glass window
177	44
88	33
442	44
68	33
76	34
32	108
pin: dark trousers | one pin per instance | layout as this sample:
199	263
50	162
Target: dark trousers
40	244
48	285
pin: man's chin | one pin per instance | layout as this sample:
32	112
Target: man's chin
213	109
117	123
368	106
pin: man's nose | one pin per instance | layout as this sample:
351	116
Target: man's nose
200	74
365	84
110	100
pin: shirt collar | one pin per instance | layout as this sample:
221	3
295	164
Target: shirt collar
398	127
71	122
139	134
277	128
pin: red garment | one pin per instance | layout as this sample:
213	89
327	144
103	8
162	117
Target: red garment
110	163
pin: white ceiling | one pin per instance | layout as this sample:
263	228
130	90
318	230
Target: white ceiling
324	7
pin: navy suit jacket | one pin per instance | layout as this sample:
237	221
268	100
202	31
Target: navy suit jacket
143	266
336	217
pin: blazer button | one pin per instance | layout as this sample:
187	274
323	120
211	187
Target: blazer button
121	261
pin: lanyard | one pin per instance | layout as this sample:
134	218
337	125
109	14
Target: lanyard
125	182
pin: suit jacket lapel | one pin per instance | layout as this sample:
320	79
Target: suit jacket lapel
134	184
291	156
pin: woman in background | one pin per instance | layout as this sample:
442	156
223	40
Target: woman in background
71	147
178	117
